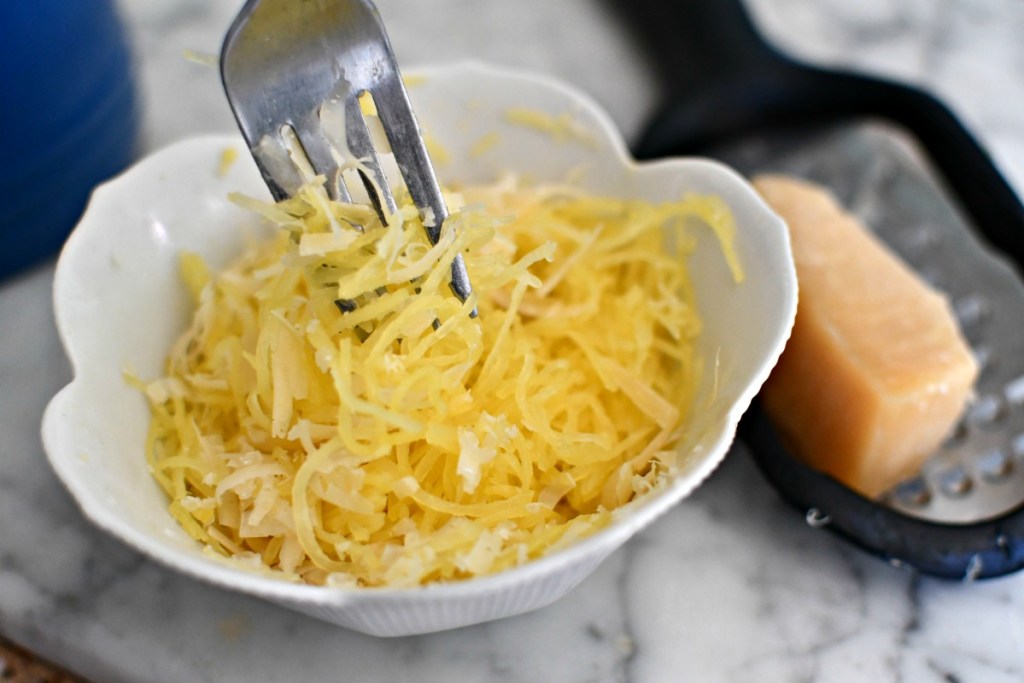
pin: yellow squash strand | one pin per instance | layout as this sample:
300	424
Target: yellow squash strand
334	413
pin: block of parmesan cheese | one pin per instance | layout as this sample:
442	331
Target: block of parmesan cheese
876	373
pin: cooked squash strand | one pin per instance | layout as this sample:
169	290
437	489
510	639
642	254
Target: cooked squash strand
333	411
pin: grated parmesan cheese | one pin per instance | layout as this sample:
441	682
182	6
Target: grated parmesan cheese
561	128
335	414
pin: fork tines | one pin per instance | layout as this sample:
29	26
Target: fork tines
291	69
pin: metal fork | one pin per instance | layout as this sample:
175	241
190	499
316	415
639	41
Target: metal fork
290	66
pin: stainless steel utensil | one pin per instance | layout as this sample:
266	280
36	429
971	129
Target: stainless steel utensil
291	69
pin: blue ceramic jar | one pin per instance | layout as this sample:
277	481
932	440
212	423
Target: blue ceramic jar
68	118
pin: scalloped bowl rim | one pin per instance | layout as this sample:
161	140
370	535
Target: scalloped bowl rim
110	195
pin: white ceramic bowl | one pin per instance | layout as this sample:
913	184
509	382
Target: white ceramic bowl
119	304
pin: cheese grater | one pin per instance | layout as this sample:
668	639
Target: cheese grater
902	162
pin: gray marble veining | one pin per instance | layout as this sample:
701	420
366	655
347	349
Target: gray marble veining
729	586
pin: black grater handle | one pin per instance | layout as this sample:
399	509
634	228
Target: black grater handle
723	81
979	550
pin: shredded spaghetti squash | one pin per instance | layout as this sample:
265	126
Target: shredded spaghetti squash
335	414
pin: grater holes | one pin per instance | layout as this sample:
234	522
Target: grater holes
934	275
919	239
971	310
1014	391
987	412
994	466
983	356
955	481
1017	446
912	493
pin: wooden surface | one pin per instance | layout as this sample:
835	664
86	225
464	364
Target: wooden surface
19	666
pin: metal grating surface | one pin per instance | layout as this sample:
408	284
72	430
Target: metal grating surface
876	171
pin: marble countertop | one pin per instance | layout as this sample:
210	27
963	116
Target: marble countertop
729	586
